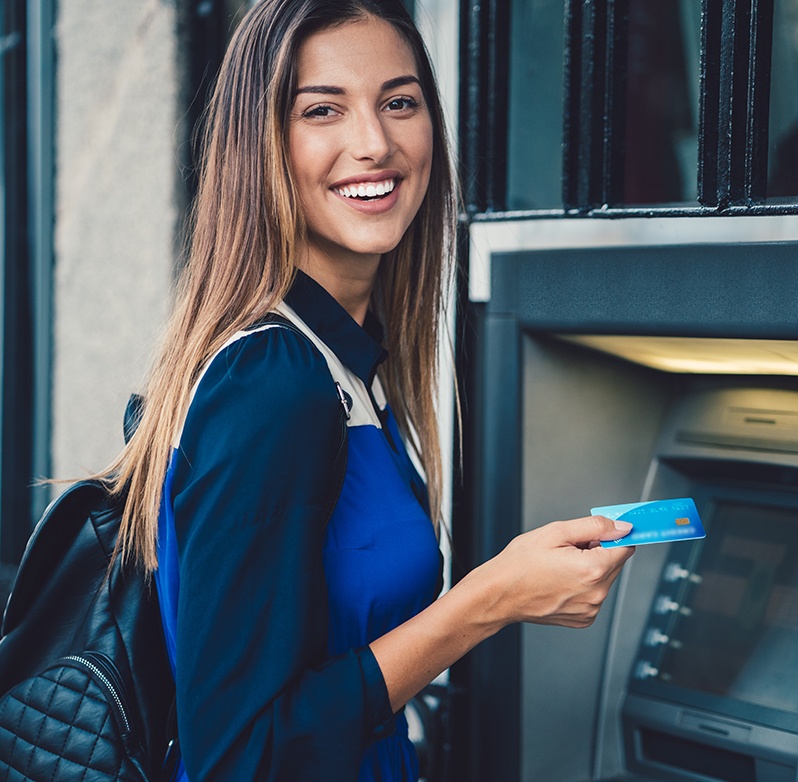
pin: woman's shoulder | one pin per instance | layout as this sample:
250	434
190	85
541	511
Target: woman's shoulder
273	356
270	377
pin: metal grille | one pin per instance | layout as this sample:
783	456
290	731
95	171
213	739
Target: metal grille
728	172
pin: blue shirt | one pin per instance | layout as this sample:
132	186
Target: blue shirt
275	575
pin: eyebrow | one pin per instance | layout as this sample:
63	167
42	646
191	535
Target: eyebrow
324	89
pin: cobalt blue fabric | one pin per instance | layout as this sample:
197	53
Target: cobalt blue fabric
272	582
381	561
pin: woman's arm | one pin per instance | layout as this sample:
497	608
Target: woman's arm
550	575
257	695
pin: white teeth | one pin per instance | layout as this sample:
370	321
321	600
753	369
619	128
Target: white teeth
367	190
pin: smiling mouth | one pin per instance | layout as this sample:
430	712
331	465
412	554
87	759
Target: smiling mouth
367	191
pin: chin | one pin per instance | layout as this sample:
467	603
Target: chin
370	248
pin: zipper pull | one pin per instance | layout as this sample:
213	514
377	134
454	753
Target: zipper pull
171	762
345	399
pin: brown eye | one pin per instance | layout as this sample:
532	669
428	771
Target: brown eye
319	111
401	104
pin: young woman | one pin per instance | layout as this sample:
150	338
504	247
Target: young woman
297	563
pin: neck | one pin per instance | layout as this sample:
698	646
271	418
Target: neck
349	283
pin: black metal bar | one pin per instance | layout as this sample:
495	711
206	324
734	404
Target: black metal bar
615	100
496	666
756	163
616	213
737	64
497	101
484	65
595	109
579	65
469	124
736	38
572	66
461	757
710	136
594	76
16	410
486	729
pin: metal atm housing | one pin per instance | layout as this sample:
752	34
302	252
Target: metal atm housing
562	427
711	689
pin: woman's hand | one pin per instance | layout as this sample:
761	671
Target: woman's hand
556	574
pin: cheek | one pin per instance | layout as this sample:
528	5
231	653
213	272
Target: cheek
425	147
298	154
424	156
308	155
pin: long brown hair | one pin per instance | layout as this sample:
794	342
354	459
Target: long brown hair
245	225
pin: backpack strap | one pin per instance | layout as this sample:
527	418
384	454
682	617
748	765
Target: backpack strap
270	322
351	389
171	762
352	392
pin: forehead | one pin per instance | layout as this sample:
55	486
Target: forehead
361	51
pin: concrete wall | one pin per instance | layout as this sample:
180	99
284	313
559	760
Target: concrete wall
120	125
117	207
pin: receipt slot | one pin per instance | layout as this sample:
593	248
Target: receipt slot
690	671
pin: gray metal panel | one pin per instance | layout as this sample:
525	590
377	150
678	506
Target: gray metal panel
496	666
741	290
590	425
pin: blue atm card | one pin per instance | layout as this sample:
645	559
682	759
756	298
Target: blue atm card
659	521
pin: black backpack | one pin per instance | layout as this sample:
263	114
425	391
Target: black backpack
72	636
71	708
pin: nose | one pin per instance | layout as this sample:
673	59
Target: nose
370	139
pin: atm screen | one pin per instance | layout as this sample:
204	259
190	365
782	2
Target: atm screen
737	633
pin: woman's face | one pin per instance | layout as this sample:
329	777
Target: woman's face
360	141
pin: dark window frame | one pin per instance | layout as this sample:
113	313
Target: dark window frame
736	45
15	394
27	62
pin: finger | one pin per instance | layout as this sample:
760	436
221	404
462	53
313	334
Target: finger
606	563
613	530
614	559
581	532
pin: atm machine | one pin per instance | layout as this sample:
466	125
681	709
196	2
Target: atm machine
711	687
612	375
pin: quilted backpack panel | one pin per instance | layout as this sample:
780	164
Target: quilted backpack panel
65	725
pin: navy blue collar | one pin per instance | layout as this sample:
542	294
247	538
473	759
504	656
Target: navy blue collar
358	348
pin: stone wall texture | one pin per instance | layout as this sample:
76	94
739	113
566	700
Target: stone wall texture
117	209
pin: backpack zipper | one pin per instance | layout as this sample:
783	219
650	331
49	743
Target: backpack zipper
103	669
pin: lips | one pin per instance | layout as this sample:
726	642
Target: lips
369	204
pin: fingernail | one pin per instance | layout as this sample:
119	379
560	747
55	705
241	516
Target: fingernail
622	526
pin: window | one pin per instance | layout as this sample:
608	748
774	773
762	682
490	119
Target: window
26	255
685	107
783	126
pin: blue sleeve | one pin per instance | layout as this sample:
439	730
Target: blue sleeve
255	483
